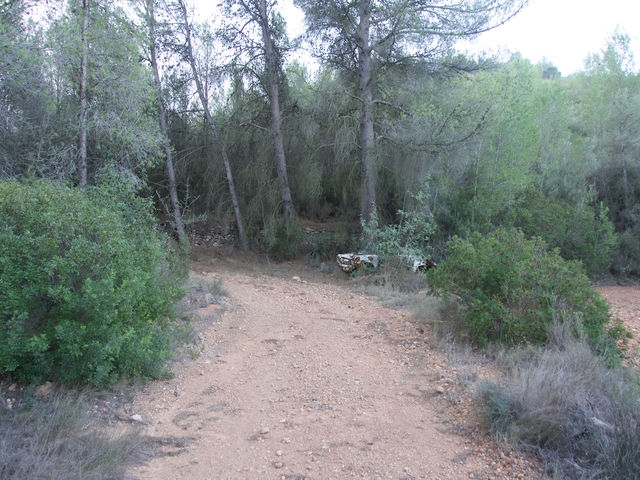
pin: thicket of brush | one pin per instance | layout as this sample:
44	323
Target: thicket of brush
563	402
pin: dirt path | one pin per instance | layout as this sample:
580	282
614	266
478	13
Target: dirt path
625	305
299	378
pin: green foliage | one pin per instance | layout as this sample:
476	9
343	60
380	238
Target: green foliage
580	232
565	403
86	284
511	288
409	238
284	238
326	244
39	91
627	258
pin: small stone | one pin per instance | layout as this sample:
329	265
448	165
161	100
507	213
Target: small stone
426	340
264	430
286	440
278	453
440	389
136	418
278	465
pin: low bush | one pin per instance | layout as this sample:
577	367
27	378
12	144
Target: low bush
510	288
566	404
626	260
87	285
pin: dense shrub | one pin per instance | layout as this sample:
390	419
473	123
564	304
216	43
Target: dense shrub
511	288
580	232
626	260
86	284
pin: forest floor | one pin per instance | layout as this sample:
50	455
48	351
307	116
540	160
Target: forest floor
294	375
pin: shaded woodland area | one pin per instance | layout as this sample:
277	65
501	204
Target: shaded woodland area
255	140
129	128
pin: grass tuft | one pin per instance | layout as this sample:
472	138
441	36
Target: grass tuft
58	437
564	402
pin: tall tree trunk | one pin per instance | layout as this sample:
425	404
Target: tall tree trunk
242	236
272	67
625	177
162	120
367	163
82	126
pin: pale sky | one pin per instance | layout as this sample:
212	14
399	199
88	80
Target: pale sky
564	32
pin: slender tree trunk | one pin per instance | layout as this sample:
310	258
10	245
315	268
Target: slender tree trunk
82	127
162	119
242	236
271	64
625	177
367	163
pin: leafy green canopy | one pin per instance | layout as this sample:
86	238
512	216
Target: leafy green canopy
511	289
86	284
580	232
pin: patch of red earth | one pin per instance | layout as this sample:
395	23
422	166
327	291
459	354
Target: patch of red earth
624	303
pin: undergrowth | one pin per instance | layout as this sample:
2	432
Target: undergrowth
563	402
58	438
87	285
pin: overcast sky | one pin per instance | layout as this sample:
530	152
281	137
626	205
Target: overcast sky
565	31
562	31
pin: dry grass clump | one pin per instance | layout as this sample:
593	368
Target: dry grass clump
562	401
58	437
393	284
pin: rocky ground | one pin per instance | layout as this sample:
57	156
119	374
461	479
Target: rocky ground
297	377
294	376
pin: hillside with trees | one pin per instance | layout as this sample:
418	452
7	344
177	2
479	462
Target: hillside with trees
130	127
492	143
392	141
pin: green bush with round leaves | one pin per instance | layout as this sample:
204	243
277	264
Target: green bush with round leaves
87	285
510	288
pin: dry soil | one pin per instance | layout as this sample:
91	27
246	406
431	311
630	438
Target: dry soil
294	376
